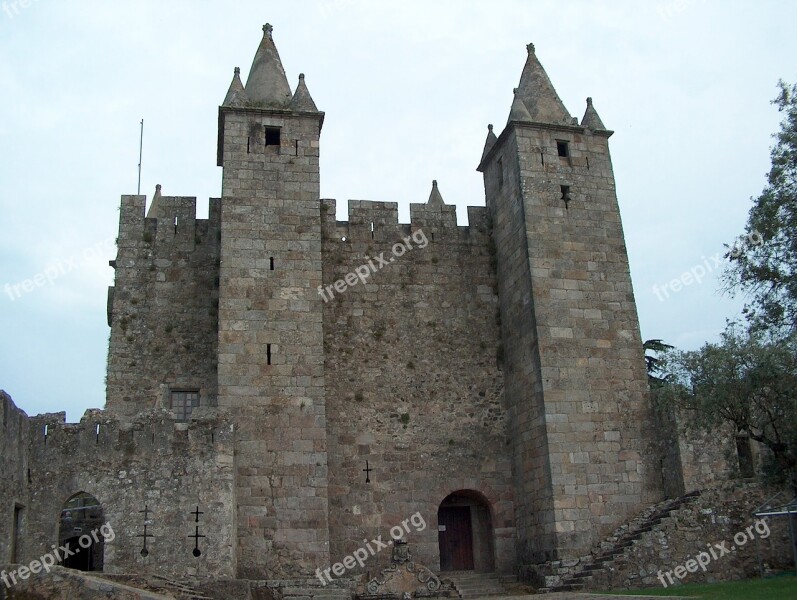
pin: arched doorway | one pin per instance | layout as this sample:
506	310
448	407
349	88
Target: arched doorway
465	533
79	526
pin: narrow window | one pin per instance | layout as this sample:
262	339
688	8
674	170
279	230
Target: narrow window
268	354
183	403
372	230
297	147
16	527
542	158
46	431
563	148
272	136
247	145
98	434
500	173
175	225
271	263
565	189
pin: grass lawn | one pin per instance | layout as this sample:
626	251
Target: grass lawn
783	587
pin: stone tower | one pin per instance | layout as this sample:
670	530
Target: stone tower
270	339
576	387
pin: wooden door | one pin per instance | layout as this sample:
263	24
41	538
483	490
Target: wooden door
456	538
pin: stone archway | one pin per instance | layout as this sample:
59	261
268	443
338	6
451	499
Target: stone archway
465	533
79	526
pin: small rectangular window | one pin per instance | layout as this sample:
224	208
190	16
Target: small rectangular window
272	136
563	148
183	403
500	173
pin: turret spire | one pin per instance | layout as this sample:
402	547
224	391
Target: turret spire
435	198
591	119
267	85
236	95
538	94
519	112
302	100
490	141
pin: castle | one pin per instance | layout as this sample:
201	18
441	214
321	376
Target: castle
284	386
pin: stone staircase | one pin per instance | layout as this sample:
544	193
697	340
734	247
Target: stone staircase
470	584
576	574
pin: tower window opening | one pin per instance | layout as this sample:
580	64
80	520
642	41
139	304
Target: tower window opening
372	230
183	403
500	173
247	144
297	147
271	263
563	148
268	354
272	136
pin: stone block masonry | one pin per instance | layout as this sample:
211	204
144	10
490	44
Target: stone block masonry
169	468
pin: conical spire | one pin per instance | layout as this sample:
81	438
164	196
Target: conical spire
435	199
519	112
490	142
302	100
591	119
236	95
267	85
538	94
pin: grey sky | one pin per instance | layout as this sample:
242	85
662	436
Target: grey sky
408	89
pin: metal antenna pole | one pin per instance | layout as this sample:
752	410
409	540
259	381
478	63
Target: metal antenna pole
140	152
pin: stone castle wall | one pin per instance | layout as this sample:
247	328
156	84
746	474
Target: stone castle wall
170	468
163	309
413	375
14	488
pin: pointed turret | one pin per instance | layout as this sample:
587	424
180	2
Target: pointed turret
591	119
236	95
490	142
538	94
519	112
267	85
435	199
302	100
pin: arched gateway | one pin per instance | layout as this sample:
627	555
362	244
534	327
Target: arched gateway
80	522
465	533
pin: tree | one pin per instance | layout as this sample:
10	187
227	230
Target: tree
767	270
747	379
653	362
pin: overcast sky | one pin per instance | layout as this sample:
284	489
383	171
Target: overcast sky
408	89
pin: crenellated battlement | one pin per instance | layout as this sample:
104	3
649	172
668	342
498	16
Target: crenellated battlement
150	435
378	221
170	223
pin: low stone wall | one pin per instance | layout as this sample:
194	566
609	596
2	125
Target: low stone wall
67	584
706	525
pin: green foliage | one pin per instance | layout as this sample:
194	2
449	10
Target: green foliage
747	379
768	270
653	363
780	588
